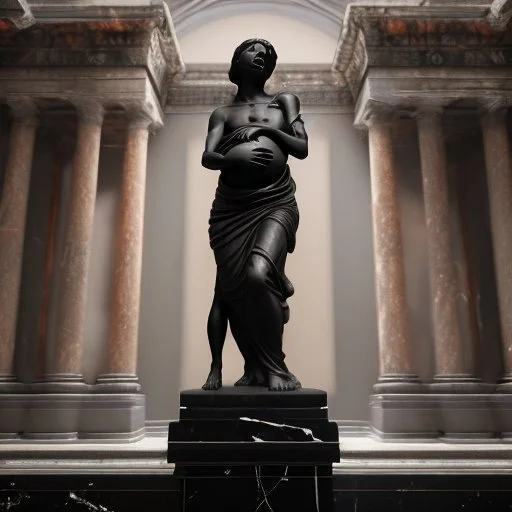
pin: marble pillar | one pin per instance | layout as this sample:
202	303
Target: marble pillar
121	372
76	248
395	368
450	370
13	212
499	184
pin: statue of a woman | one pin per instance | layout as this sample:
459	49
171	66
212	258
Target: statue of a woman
254	218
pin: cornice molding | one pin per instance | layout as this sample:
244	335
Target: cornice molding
208	85
18	12
402	92
501	13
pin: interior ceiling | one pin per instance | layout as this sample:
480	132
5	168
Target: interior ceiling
325	15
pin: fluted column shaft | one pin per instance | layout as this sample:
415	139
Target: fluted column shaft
13	212
443	281
73	266
499	183
394	346
124	318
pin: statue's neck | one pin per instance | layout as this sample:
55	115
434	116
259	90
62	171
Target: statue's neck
250	92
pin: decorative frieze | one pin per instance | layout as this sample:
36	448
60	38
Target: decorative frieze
98	38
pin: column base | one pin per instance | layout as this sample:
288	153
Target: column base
502	405
61	417
117	383
505	383
459	417
398	383
459	383
62	383
10	384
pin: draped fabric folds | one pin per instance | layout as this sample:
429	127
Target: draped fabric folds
235	217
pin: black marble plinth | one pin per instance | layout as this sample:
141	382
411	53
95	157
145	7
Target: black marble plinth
250	425
361	492
248	449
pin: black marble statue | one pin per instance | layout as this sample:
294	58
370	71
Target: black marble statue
253	218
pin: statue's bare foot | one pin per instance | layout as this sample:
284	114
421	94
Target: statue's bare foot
296	381
214	380
247	379
276	383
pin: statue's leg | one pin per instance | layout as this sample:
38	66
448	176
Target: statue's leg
264	298
216	328
252	375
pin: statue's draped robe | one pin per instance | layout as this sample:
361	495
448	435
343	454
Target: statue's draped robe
236	216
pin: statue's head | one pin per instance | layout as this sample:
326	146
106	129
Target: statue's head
255	58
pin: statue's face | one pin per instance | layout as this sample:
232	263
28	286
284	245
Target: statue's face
253	58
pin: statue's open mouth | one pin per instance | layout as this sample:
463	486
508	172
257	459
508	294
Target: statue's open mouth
258	63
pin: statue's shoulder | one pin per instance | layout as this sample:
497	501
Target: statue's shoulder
290	104
218	115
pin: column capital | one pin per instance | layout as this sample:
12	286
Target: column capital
89	111
24	110
378	115
428	112
494	107
142	114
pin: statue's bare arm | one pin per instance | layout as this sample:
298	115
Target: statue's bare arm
211	159
296	144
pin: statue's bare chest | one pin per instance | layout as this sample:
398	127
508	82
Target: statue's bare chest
254	113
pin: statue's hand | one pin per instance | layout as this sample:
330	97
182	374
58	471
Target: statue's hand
241	156
261	157
248	133
239	136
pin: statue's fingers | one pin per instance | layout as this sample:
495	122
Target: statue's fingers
263	163
263	156
258	164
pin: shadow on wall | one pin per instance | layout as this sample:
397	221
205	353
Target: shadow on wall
414	243
355	318
34	283
101	264
161	317
467	154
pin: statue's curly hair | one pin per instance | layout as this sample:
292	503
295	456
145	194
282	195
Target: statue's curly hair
270	58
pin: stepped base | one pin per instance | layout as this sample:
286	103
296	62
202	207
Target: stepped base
253	448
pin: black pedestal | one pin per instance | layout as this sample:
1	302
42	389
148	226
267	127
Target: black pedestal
249	449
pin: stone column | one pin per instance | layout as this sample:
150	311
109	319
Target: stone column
74	261
13	212
443	279
499	184
395	368
121	373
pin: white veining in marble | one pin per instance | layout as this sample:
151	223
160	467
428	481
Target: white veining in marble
257	439
88	504
13	502
306	431
316	490
260	486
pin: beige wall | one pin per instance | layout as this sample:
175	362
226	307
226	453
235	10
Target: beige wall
295	42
